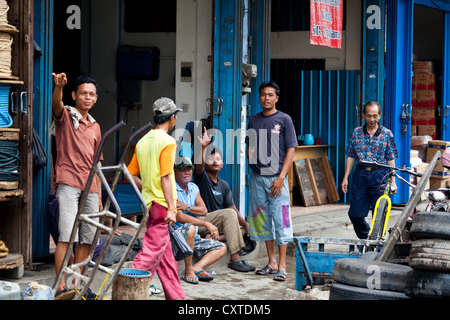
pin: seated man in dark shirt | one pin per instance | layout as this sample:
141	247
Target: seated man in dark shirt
222	212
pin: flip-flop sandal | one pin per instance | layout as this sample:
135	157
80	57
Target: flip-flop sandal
265	271
204	278
280	276
187	279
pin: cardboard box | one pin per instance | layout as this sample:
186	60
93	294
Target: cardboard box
421	169
424	81
436	183
439	171
422	67
435	145
425	99
427	130
423	116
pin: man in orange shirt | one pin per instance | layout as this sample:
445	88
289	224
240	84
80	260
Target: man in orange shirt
78	137
154	160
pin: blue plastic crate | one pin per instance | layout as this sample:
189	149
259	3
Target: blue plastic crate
127	199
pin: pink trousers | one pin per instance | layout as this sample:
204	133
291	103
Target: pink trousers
156	254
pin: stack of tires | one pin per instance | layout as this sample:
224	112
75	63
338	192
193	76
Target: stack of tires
367	279
429	256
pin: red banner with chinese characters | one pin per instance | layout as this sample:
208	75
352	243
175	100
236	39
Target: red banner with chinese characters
326	23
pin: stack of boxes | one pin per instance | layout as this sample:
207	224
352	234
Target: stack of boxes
440	176
423	118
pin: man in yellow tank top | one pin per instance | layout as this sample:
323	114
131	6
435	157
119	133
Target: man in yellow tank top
154	161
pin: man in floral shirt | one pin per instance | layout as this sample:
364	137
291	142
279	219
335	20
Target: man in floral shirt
371	142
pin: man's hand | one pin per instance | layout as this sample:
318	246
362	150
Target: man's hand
277	186
344	185
204	139
171	217
60	79
393	187
181	205
214	232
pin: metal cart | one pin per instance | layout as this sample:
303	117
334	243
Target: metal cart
77	271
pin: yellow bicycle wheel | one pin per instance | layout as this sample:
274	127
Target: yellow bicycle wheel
380	218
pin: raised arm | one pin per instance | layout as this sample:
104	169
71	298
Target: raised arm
199	160
57	103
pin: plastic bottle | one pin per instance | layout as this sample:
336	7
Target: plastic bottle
9	291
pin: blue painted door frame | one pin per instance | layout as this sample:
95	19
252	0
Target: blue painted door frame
445	103
227	84
373	70
42	90
398	85
229	42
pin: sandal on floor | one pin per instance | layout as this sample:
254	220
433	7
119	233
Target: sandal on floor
154	290
204	278
240	266
250	267
280	276
191	280
265	271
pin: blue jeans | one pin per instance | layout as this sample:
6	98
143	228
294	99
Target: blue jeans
364	195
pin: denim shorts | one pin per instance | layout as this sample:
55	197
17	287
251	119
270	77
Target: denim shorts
270	217
68	199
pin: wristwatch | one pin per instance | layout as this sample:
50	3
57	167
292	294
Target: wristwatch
188	209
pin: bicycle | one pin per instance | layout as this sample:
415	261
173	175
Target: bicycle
383	205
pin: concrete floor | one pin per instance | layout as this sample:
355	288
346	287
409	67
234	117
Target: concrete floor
320	221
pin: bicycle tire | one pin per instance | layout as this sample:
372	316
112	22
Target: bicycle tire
380	218
340	291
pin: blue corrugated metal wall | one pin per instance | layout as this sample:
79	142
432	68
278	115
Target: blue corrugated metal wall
43	36
328	109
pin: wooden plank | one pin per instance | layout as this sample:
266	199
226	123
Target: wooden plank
333	195
304	183
320	181
11	261
313	182
11	194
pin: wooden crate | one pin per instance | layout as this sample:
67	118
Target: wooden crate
316	181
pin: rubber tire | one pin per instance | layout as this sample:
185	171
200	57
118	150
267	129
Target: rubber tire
431	225
356	272
428	284
339	291
430	254
379	220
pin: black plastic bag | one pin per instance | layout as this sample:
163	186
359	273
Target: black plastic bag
180	247
39	153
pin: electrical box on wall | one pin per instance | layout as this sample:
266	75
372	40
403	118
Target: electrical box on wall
138	62
186	72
